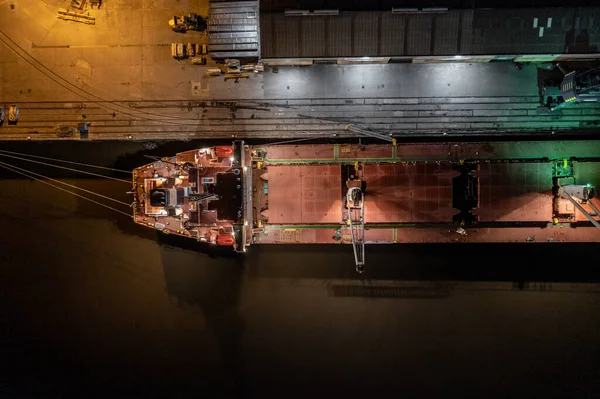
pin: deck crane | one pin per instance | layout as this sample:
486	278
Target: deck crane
582	194
355	210
356	220
355	200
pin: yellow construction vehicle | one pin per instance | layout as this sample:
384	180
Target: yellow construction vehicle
236	76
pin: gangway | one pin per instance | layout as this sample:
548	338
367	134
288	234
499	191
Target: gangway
356	221
369	133
582	194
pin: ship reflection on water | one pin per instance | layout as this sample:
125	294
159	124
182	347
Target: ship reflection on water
119	308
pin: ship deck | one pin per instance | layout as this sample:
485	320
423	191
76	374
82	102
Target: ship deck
197	194
444	192
299	192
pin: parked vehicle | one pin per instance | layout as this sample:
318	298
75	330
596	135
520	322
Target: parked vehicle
213	72
199	61
178	51
191	50
233	66
13	114
236	76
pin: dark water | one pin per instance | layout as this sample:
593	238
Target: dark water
93	305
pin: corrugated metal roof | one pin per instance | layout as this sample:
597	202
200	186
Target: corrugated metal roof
233	29
464	32
365	32
418	35
391	34
287	36
445	33
339	35
313	33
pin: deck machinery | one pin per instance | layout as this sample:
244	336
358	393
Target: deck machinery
573	87
569	194
239	195
355	208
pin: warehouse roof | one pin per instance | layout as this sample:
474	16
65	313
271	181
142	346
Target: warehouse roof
410	32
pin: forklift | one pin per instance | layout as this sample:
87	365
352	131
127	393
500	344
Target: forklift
191	22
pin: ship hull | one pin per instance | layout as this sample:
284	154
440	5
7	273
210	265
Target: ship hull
413	193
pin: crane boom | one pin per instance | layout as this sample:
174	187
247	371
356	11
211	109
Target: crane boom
356	220
578	194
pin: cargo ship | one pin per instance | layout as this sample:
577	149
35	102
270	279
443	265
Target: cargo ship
240	195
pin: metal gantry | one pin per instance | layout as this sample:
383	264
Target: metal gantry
582	194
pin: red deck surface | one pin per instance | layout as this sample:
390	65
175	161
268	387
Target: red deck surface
299	152
518	192
435	235
438	151
304	194
420	193
415	193
371	151
408	193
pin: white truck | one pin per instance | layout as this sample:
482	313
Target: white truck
178	51
213	72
